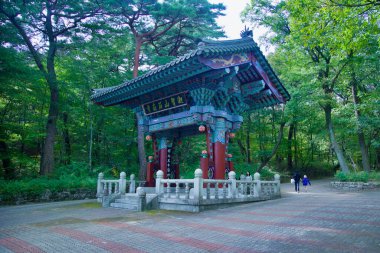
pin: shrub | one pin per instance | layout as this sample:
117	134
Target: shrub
340	176
267	174
33	189
374	176
357	176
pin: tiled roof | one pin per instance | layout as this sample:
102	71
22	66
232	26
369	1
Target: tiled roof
180	69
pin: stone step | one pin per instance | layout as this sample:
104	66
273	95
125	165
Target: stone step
150	197
127	200
124	206
130	201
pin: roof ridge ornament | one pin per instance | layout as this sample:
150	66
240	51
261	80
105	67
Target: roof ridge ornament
246	33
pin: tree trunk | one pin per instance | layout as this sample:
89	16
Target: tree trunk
290	154
377	151
9	172
47	157
260	137
363	147
275	148
66	139
334	143
141	147
140	128
90	144
311	145
248	140
295	146
137	57
243	150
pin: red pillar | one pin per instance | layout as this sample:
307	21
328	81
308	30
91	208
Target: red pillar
220	159
231	165
163	161
150	174
204	167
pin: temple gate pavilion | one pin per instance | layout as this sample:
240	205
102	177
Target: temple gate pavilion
202	92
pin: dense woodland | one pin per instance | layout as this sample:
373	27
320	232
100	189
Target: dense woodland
52	53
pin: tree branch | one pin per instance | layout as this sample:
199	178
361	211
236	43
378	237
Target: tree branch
20	29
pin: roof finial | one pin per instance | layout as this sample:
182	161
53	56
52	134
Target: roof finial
246	33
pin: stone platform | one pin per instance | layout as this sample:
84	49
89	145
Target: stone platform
320	220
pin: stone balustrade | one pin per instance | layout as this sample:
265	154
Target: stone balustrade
107	187
192	195
199	191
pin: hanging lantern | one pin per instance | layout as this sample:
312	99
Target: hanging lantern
202	128
179	142
229	155
150	158
148	138
204	153
232	135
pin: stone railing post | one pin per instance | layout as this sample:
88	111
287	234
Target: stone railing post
257	190
122	183
99	190
198	185
278	184
242	186
232	186
159	186
141	204
132	185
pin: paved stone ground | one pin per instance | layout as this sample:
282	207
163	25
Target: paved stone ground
320	220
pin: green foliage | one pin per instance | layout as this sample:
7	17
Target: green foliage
33	189
351	177
267	174
322	48
357	176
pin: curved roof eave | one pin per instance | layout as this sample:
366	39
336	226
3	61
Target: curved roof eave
144	83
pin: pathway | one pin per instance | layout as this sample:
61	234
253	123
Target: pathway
320	220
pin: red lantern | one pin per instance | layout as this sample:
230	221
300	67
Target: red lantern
180	142
202	128
232	135
148	138
204	152
229	155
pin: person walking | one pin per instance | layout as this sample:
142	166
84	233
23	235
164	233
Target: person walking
297	178
305	182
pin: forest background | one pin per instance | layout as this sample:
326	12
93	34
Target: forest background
52	53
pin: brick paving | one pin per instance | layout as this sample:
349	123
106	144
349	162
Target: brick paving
320	220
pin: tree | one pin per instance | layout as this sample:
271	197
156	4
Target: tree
149	21
332	34
43	27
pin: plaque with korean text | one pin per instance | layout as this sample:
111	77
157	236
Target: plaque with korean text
164	104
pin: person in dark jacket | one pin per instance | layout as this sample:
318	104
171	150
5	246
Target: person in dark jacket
297	178
305	182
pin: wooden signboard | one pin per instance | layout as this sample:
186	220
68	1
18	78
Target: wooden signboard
164	104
